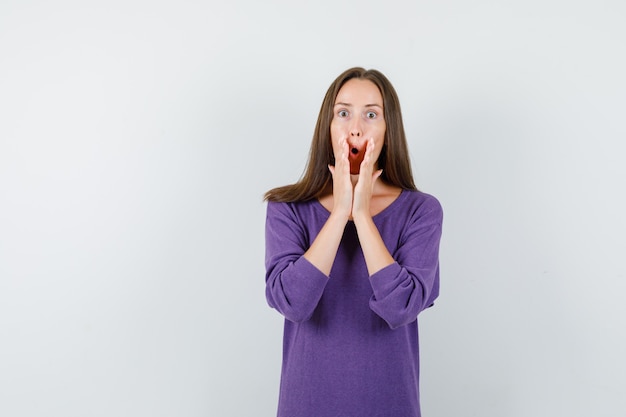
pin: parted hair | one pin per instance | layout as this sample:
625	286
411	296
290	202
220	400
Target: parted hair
394	157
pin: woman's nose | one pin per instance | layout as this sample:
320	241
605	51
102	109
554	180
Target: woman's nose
355	129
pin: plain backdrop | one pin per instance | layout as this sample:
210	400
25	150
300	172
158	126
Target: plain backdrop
137	139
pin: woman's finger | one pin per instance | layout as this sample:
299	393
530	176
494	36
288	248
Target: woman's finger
368	160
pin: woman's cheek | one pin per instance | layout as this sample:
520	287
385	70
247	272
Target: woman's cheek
379	139
336	134
336	131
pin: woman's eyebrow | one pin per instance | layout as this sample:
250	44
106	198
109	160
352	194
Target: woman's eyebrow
350	105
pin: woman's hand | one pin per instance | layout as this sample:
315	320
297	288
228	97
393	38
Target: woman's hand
342	185
365	185
375	252
324	248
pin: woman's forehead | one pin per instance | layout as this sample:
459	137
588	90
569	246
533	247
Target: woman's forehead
359	91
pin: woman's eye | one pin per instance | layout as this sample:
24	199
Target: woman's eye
342	113
370	115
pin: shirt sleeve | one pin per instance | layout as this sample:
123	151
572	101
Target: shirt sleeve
293	285
411	284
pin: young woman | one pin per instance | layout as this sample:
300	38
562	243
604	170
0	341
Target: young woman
352	259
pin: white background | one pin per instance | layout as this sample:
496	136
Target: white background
138	137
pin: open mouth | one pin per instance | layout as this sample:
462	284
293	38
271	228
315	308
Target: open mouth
356	157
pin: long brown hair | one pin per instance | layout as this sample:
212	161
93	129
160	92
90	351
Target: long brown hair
394	157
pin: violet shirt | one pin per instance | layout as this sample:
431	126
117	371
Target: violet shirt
350	344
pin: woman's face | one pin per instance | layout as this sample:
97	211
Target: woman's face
358	116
